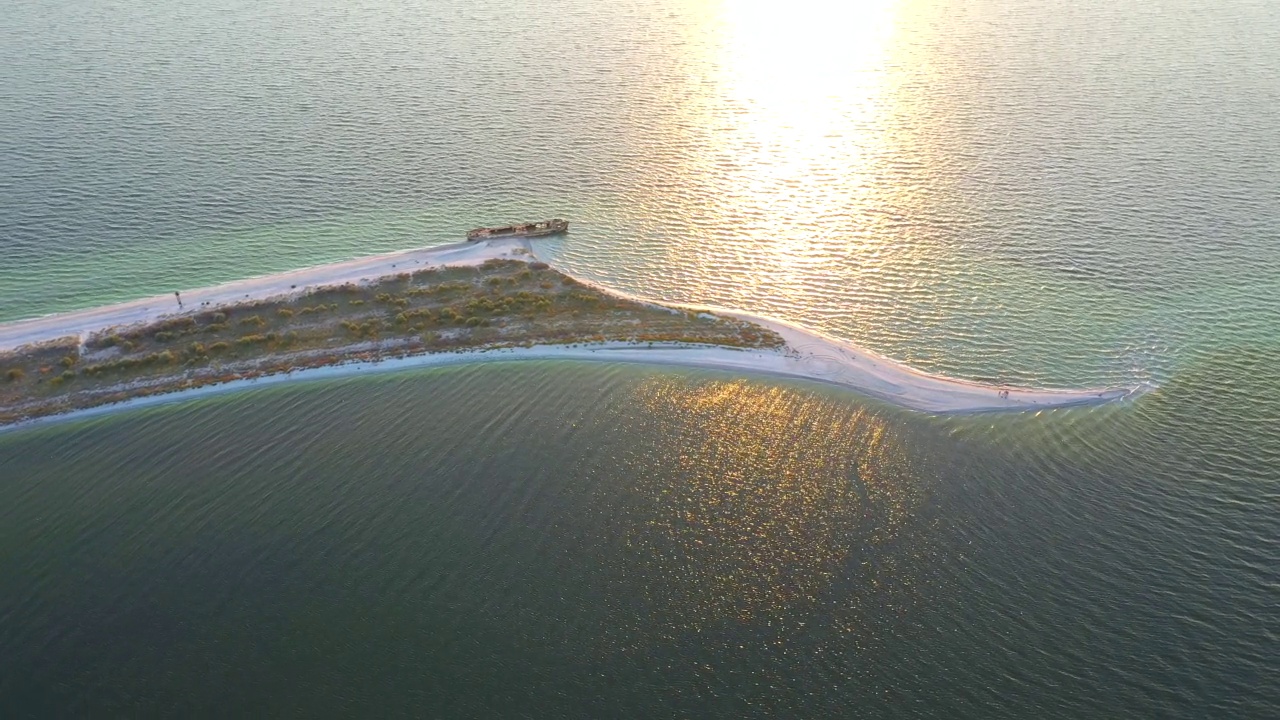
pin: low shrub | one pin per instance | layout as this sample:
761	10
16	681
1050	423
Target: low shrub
284	313
14	374
403	318
368	329
318	308
177	324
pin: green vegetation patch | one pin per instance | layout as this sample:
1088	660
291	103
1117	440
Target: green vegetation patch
500	303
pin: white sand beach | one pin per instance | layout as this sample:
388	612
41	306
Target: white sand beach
807	355
86	322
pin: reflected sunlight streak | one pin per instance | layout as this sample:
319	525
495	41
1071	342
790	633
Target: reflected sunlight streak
776	490
805	81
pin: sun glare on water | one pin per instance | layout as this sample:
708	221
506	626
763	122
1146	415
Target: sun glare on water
755	521
804	60
802	89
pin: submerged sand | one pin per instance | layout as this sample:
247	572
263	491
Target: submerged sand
807	355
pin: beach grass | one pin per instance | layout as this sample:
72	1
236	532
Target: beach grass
499	303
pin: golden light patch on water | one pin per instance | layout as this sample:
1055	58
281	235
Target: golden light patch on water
773	493
810	66
798	115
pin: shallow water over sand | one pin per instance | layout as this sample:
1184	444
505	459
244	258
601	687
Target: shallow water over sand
1063	194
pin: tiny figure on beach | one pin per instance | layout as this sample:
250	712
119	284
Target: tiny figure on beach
178	295
1004	394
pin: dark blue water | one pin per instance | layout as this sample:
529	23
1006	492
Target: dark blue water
583	541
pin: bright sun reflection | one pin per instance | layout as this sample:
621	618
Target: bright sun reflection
767	495
802	86
806	63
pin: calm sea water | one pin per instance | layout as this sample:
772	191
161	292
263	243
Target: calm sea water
1043	192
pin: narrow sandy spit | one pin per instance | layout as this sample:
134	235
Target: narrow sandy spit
85	322
807	355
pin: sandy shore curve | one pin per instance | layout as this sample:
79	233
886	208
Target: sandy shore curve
807	355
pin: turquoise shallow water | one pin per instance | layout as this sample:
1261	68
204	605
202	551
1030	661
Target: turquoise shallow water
1049	193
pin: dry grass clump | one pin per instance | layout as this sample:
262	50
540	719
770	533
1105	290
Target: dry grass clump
501	303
